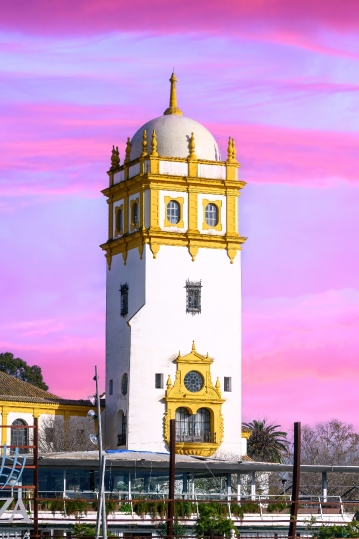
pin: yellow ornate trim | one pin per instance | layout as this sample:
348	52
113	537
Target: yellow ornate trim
119	230
209	397
133	225
218	204
180	202
154	210
192	241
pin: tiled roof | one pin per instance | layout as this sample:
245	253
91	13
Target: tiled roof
12	389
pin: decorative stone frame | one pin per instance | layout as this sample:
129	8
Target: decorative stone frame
180	202
218	204
209	397
119	231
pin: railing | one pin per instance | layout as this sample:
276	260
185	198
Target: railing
204	437
121	439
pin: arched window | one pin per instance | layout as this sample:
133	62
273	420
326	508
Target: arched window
201	425
19	436
193	428
119	220
173	212
211	215
135	215
182	422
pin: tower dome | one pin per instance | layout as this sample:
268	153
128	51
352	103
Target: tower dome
173	133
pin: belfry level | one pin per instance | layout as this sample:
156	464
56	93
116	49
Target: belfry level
173	314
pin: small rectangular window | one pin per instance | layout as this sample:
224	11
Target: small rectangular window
193	296
124	299
227	383
110	389
49	434
159	381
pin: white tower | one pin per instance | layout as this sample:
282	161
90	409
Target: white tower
173	283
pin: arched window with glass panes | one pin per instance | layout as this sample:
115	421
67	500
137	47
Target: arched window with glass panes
173	212
135	215
19	435
195	427
211	215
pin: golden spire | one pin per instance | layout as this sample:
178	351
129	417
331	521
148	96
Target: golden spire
173	109
154	144
193	347
218	383
115	158
144	144
169	381
230	150
192	148
128	150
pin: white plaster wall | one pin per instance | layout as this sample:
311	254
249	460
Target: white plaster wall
223	211
163	210
134	170
217	172
157	331
118	177
173	168
118	332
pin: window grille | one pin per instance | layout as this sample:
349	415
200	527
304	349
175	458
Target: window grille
110	389
124	384
124	299
193	428
193	296
227	383
159	381
173	212
211	215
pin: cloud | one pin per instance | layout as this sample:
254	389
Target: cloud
91	17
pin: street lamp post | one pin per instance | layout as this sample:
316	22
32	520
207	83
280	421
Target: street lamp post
101	502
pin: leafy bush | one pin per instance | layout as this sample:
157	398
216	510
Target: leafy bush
237	510
125	508
212	522
349	530
251	507
276	507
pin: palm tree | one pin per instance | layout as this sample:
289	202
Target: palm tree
266	443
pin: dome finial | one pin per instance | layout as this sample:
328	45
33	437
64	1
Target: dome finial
173	109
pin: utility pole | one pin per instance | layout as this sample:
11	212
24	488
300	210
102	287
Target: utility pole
296	481
101	502
36	476
171	489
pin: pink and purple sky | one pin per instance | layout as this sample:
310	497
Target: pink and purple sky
282	77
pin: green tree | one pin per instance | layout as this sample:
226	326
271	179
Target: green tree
213	522
266	443
20	369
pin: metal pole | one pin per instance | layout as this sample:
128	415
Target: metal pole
103	493
253	486
171	489
296	480
36	476
101	509
238	486
324	487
